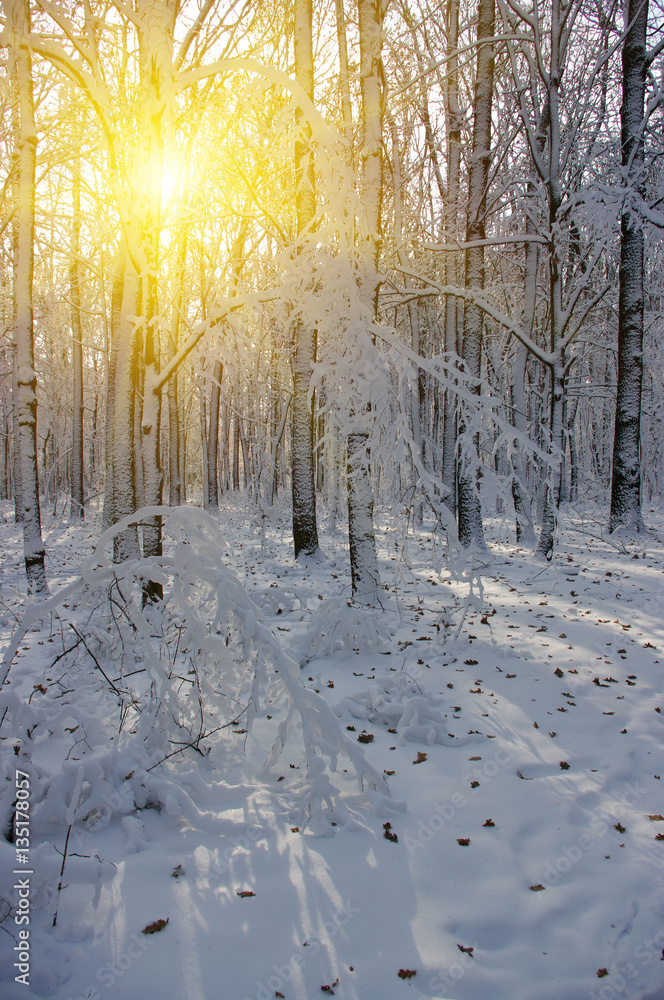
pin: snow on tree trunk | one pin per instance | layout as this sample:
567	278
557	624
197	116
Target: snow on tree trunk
77	497
156	25
361	535
626	478
469	511
305	531
17	15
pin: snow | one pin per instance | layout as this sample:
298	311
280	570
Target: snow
537	704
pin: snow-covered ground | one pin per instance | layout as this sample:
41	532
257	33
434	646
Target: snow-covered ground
520	857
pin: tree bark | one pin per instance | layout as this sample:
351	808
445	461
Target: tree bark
305	531
17	14
175	486
546	541
361	535
626	477
453	118
213	437
77	496
469	511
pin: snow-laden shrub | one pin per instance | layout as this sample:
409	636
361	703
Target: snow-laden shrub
139	687
399	703
338	626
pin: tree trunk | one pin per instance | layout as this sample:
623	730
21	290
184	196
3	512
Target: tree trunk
546	541
120	492
453	118
213	437
76	476
17	14
175	491
469	510
305	531
362	540
626	478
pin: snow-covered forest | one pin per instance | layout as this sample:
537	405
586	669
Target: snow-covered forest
331	444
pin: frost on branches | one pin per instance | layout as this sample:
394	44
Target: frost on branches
140	694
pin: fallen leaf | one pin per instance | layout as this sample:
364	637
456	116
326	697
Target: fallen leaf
467	951
488	822
564	765
158	925
657	816
421	757
463	841
604	972
245	894
406	973
365	738
537	888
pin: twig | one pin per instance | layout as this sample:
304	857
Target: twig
198	739
62	872
97	663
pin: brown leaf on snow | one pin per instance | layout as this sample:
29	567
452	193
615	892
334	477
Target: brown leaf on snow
158	925
421	757
564	765
656	817
537	888
467	951
558	672
245	894
406	973
463	841
601	973
488	822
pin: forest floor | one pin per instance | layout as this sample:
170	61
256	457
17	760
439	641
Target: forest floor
528	862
